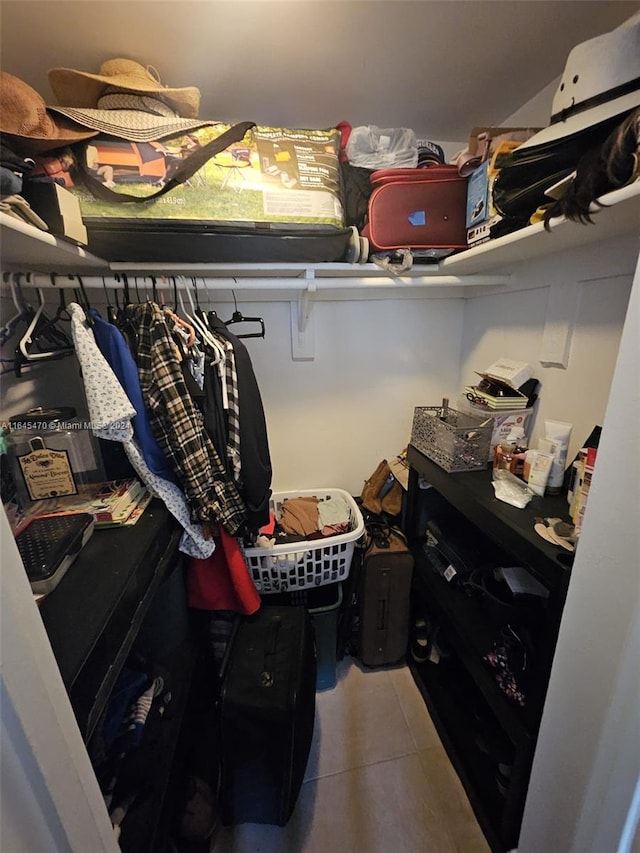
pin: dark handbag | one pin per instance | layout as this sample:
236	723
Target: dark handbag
185	170
527	173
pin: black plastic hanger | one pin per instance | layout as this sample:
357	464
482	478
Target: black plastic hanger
112	310
238	317
83	300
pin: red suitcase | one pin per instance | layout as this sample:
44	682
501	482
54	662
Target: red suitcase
417	209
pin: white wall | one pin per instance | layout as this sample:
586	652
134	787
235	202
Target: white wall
597	289
587	763
50	801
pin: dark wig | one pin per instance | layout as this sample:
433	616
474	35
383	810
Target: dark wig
601	169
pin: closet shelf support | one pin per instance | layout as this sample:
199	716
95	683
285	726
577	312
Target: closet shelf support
302	321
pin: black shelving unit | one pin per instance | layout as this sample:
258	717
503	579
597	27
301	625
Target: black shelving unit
93	616
97	620
468	705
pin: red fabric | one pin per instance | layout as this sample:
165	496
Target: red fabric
345	132
222	581
268	529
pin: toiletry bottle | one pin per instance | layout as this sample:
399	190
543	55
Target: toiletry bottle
517	437
503	456
528	461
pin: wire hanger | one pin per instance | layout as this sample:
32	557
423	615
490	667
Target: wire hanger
238	317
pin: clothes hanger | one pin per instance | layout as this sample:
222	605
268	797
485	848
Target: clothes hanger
48	329
204	331
22	313
238	317
112	310
83	300
38	331
126	299
178	320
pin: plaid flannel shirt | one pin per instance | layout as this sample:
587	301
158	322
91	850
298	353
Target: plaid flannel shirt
177	426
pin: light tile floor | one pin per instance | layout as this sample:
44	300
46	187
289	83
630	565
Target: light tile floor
378	779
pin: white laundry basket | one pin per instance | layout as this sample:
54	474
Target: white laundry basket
310	562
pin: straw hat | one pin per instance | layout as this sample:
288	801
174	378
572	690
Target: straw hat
601	80
24	118
81	89
137	118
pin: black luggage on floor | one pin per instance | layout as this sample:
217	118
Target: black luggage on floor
385	584
267	710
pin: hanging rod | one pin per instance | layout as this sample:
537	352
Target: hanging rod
41	280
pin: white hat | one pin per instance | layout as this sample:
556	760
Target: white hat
601	80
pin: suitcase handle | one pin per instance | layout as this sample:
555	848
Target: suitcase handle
381	614
271	643
382	604
185	170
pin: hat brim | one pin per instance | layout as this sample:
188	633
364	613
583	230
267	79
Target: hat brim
584	120
132	125
83	90
63	135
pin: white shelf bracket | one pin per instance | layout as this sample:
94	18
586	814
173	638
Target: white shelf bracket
302	322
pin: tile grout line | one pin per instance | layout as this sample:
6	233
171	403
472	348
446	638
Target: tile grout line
404	714
360	767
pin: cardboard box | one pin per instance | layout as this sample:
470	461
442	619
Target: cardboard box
274	177
502	132
478	195
508	370
481	233
58	207
481	213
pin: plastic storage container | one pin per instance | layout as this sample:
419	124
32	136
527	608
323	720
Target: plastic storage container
53	453
311	562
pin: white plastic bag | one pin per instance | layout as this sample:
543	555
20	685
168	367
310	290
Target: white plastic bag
371	147
511	489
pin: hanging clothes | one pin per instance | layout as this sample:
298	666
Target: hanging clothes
211	495
111	413
114	348
255	459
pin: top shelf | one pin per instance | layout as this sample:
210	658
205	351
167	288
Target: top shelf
24	248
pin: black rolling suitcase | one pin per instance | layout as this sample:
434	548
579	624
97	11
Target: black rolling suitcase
384	596
267	710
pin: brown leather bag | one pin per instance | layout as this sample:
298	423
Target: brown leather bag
382	492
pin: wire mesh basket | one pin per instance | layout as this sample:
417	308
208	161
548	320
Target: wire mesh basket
310	562
458	442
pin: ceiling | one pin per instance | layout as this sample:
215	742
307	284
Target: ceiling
438	66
